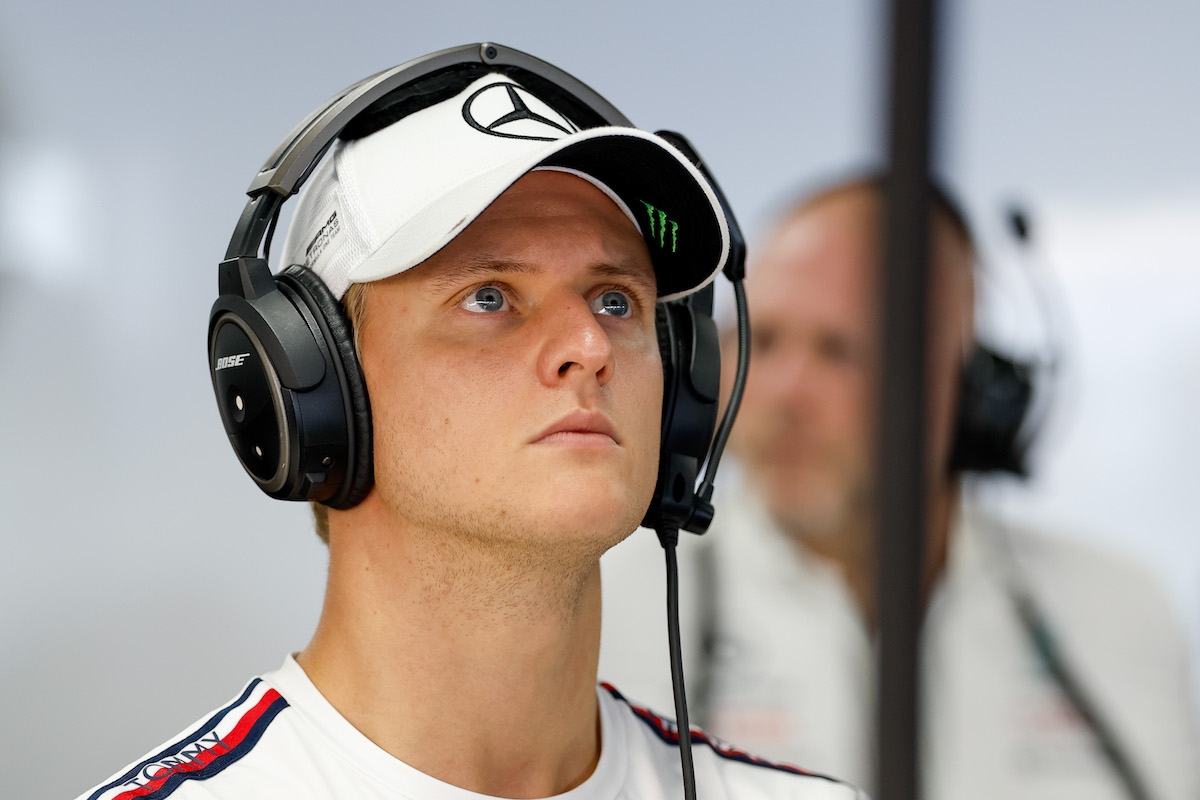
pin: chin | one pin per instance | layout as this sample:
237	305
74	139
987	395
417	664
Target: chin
606	511
813	507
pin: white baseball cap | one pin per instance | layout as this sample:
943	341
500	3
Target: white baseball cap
385	202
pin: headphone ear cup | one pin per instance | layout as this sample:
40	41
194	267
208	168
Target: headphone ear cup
691	358
994	399
339	335
254	404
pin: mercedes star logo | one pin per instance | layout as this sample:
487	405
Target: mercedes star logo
507	110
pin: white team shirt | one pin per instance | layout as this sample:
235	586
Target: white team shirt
791	675
280	738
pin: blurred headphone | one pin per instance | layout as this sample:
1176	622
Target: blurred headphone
296	408
994	398
993	429
998	419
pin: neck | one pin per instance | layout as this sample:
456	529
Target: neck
852	548
472	663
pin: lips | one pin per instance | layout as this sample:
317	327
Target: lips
581	426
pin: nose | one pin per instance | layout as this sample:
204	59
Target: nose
575	344
786	375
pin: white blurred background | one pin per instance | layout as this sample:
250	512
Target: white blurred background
143	578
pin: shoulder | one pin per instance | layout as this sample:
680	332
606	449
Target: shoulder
1106	607
723	771
201	752
1073	572
1072	551
1123	638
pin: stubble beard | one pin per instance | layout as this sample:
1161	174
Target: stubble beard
499	559
833	521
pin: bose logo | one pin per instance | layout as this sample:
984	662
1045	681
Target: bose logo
231	361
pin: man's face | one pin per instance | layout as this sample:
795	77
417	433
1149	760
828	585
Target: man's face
515	377
806	427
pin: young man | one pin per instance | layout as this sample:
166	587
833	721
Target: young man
504	319
790	559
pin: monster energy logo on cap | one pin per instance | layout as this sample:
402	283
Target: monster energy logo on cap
659	222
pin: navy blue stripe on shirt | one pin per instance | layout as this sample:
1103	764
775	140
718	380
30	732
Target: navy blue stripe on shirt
224	760
171	749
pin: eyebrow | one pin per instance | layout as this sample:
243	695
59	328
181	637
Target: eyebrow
475	267
630	272
483	266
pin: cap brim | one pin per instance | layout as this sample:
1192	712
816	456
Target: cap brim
675	208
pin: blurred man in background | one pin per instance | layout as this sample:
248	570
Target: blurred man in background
784	616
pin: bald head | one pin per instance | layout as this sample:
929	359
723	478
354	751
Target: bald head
805	431
859	203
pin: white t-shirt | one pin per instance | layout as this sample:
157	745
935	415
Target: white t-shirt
791	675
280	738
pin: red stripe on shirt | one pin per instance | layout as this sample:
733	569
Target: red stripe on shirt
229	742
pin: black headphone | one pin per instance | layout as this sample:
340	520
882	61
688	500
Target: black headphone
281	351
993	430
995	395
997	418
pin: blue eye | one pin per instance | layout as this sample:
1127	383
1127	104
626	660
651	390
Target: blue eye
613	304
485	299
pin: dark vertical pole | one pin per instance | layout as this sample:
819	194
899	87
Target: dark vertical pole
902	480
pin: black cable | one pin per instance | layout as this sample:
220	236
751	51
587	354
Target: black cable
735	395
1053	309
669	538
